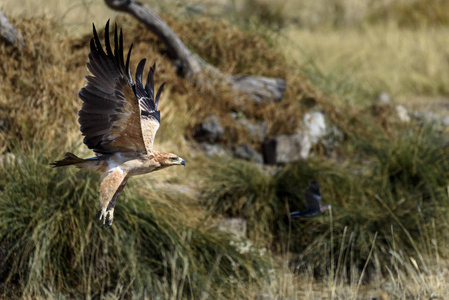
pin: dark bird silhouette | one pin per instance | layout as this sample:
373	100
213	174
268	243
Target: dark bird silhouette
313	202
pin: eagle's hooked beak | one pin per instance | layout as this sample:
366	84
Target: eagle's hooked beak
182	162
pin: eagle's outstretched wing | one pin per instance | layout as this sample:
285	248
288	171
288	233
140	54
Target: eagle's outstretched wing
117	115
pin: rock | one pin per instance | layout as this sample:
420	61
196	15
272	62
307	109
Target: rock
213	150
384	98
209	130
315	125
292	147
236	226
287	148
248	153
9	33
258	88
402	113
258	130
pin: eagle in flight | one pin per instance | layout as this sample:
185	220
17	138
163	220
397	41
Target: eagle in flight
119	120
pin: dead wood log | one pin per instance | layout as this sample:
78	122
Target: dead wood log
190	65
9	33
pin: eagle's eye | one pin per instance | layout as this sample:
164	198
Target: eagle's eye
173	158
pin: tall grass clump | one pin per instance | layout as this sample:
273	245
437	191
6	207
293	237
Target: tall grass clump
52	243
390	197
395	205
242	189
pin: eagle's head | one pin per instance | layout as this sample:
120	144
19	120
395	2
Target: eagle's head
170	159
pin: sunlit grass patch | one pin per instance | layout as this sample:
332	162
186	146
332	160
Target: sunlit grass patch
412	14
373	59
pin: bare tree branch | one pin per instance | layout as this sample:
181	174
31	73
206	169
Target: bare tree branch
9	33
192	66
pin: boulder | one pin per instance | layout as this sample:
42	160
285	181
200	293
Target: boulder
210	130
257	130
248	153
286	148
315	125
213	150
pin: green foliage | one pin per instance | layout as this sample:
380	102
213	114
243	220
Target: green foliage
52	241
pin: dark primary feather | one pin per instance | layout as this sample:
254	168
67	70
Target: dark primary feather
103	94
104	100
148	103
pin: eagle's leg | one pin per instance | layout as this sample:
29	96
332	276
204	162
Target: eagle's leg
110	189
113	202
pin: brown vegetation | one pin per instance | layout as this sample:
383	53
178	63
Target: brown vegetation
39	85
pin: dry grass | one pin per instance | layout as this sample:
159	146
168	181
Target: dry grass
38	86
45	77
38	102
342	13
402	62
75	16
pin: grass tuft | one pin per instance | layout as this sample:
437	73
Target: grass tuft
54	243
395	191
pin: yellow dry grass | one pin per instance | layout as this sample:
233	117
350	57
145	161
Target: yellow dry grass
402	62
76	16
39	85
38	94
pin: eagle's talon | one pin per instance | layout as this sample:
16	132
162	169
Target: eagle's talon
102	215
105	217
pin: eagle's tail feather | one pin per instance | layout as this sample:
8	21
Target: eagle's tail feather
69	159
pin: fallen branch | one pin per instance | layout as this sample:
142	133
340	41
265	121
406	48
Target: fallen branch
190	65
9	33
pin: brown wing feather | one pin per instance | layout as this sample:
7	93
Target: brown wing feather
126	133
110	115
